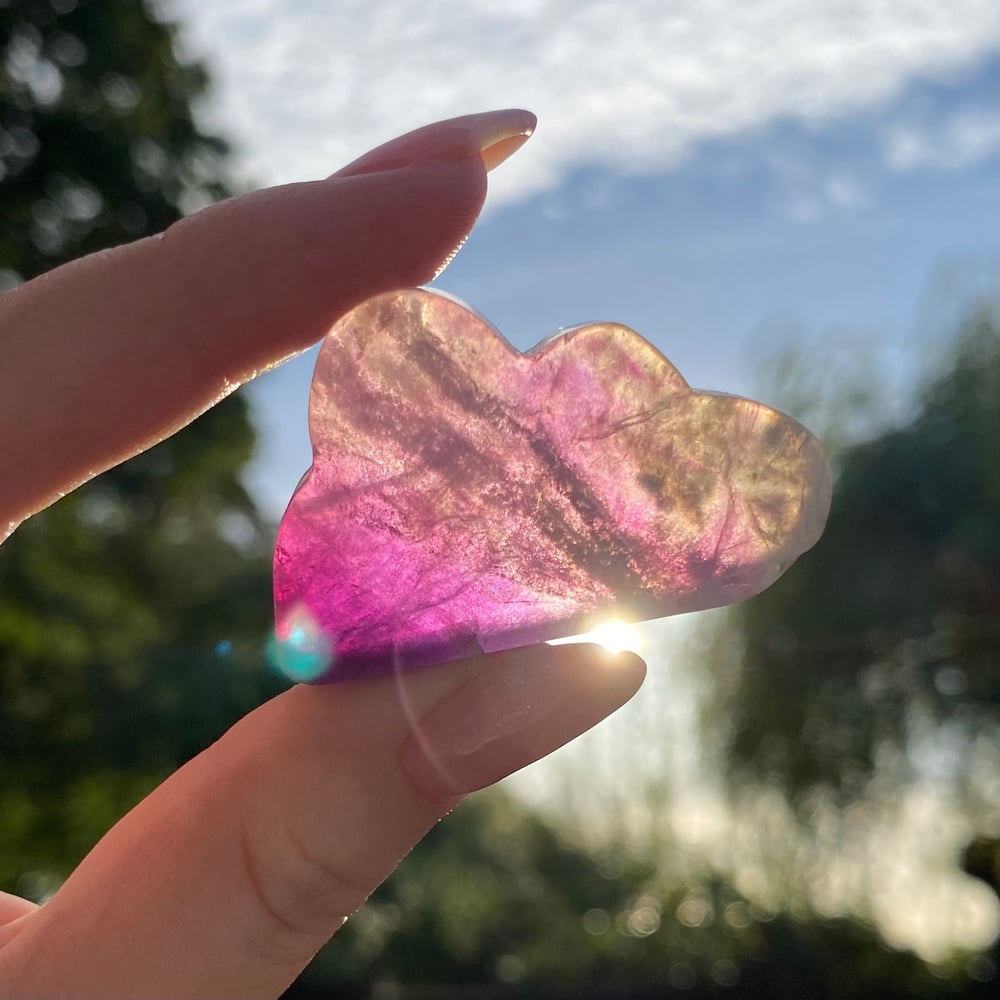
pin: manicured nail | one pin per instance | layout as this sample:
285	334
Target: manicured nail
495	135
517	707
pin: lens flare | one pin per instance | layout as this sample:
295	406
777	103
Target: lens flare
614	636
299	649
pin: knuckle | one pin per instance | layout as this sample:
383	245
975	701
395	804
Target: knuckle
303	898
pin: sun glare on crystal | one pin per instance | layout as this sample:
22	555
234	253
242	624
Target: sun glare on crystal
614	636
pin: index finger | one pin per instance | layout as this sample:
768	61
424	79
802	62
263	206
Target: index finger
113	352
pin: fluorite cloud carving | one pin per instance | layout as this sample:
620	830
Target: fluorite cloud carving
465	497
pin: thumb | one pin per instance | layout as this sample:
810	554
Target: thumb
228	878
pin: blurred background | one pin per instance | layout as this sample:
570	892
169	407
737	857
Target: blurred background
794	201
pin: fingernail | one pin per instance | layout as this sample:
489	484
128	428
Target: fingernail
495	135
517	707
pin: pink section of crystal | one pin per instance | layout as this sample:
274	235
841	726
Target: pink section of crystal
465	497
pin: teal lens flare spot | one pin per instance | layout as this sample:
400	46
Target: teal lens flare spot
299	650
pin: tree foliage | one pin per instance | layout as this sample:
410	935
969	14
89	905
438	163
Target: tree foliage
496	904
893	620
98	138
133	613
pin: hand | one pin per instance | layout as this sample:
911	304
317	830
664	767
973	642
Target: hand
228	878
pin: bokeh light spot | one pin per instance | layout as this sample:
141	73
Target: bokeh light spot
299	650
724	972
596	921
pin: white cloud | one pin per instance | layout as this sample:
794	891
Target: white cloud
964	138
843	191
307	85
807	191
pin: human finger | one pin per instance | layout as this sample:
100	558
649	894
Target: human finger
108	354
229	877
13	907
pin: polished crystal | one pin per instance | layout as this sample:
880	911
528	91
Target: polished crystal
465	497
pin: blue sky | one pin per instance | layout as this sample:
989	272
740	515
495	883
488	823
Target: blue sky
862	226
706	172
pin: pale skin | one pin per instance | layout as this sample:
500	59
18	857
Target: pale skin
226	880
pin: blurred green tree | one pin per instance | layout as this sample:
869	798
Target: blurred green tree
98	139
496	904
133	613
891	625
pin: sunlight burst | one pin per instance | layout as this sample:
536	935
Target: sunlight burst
614	636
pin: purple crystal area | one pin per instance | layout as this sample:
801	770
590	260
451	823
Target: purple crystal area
465	497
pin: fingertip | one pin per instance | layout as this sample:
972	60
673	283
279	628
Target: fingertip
14	907
516	708
623	670
495	135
